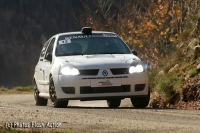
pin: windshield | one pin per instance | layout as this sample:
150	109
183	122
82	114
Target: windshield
91	44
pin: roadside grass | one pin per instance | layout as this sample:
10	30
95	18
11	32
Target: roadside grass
192	72
177	84
17	90
12	130
9	130
152	78
67	131
165	87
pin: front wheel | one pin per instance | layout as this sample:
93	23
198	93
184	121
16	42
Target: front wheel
53	97
141	102
38	100
114	103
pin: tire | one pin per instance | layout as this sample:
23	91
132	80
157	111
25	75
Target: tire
53	97
38	100
114	103
141	102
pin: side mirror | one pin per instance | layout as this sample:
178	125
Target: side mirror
48	57
134	52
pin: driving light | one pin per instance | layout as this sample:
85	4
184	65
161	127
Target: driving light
69	71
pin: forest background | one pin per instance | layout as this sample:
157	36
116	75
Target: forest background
151	27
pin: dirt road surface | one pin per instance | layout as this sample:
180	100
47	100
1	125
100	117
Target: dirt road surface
19	110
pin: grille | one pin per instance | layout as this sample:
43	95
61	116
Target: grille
105	77
111	89
118	71
89	72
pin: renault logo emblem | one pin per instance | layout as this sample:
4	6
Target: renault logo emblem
105	73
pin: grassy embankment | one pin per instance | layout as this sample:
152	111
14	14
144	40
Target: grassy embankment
177	70
12	130
17	90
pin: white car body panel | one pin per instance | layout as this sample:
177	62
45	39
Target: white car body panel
102	62
77	82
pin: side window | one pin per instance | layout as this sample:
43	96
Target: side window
50	48
44	48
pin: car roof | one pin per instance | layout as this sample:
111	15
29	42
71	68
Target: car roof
74	33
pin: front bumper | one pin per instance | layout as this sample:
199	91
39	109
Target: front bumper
78	81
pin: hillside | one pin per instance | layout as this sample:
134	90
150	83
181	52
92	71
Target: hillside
176	81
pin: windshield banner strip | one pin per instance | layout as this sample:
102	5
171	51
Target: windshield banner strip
89	36
68	38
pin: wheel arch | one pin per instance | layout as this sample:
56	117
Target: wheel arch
50	75
33	81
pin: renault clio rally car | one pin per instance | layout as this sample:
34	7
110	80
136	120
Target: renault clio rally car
89	65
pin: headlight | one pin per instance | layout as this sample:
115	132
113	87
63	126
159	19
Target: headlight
136	69
74	71
69	71
132	69
139	68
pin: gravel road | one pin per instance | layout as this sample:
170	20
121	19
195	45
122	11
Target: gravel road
19	110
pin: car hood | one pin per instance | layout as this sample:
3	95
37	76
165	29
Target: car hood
99	61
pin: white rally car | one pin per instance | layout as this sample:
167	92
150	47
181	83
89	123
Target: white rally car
89	65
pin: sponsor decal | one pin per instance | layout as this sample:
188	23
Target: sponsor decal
105	83
109	35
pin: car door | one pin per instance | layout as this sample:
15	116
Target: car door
39	70
47	65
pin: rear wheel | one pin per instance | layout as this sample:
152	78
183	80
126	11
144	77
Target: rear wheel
38	100
141	102
114	103
53	97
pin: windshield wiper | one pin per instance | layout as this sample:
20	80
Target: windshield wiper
68	54
116	53
91	53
